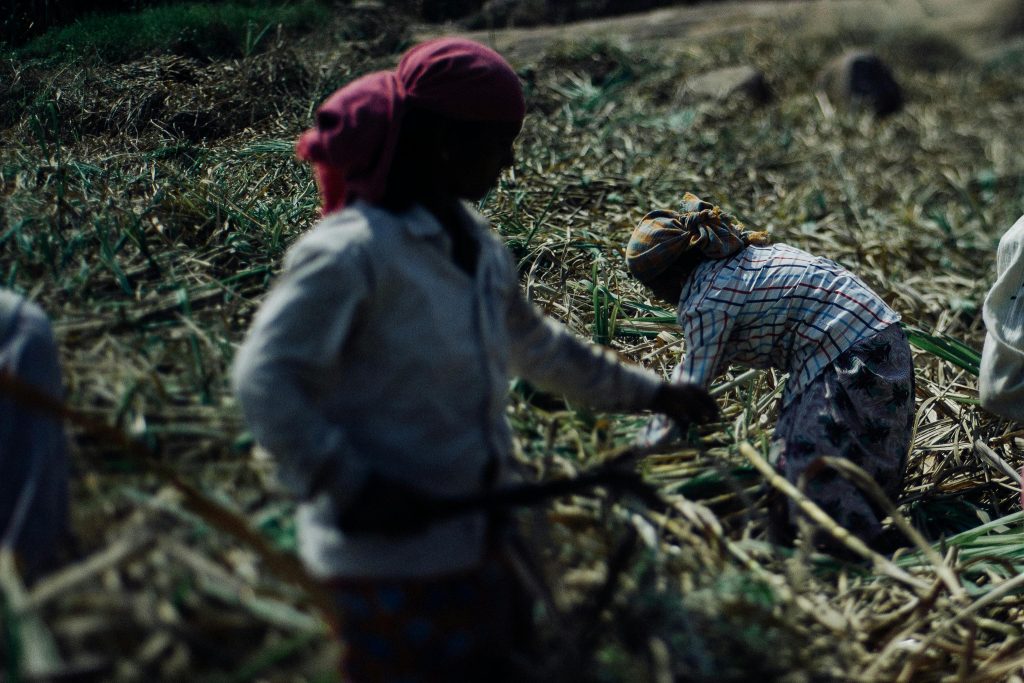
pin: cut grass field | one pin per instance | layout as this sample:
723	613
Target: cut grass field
214	30
147	205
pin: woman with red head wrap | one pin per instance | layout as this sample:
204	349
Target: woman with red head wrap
377	369
354	142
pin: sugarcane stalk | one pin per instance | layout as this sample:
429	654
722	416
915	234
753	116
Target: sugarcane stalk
825	521
284	565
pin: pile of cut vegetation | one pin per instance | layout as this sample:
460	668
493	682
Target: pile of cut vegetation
147	205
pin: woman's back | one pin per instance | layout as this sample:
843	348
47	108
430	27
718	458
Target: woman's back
776	306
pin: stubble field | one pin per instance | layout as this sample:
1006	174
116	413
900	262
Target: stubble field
147	205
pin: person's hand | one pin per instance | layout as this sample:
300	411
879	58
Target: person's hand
685	403
389	508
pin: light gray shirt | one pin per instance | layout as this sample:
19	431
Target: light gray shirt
1001	380
375	352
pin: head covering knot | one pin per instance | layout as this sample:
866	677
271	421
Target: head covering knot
699	228
353	142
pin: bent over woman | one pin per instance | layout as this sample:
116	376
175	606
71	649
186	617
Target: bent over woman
741	300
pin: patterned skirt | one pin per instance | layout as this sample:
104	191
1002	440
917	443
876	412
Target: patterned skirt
861	408
454	628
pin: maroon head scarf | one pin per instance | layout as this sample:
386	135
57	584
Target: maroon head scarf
353	143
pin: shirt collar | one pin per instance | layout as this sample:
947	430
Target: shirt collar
420	223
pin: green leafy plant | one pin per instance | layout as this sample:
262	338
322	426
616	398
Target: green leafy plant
947	348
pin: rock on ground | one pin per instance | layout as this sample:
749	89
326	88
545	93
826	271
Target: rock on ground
724	83
859	78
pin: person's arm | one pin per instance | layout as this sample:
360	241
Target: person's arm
290	351
550	356
706	332
38	511
1001	377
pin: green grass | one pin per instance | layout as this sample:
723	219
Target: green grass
229	29
995	548
947	348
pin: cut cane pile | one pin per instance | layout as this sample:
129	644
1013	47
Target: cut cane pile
147	206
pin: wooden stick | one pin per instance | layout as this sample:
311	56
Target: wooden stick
993	459
67	579
612	476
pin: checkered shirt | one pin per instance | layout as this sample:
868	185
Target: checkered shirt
777	307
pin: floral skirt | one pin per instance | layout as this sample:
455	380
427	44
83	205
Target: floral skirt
861	408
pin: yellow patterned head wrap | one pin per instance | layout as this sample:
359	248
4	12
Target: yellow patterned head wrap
663	236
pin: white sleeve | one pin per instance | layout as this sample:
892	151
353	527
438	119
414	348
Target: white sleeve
1001	380
548	354
289	353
